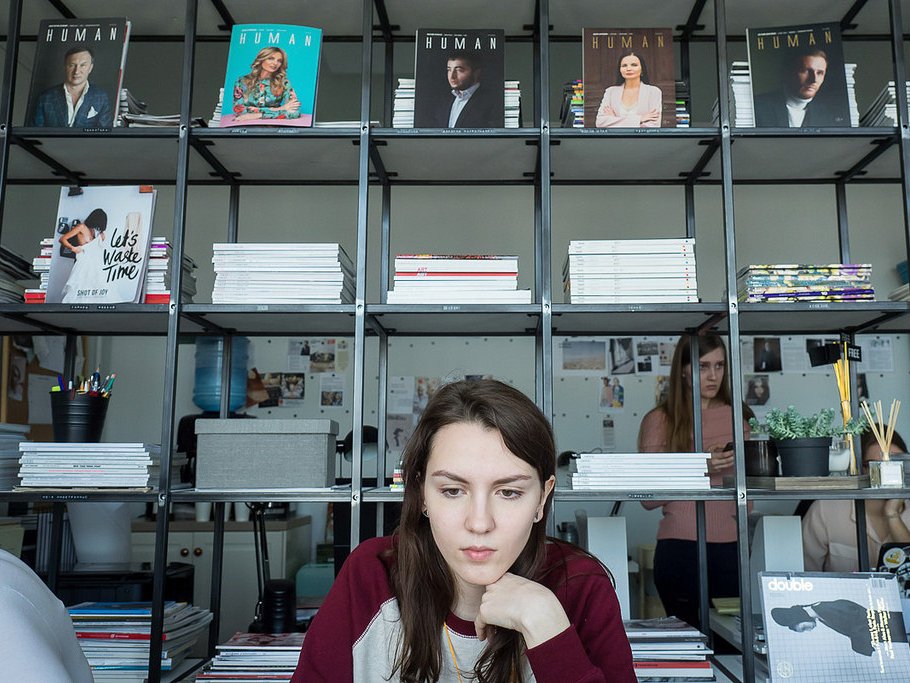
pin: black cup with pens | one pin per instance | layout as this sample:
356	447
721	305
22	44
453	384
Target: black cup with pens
78	408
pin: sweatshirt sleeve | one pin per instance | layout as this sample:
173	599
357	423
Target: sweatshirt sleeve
815	539
353	600
594	648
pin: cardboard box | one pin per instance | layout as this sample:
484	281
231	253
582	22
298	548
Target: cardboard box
265	454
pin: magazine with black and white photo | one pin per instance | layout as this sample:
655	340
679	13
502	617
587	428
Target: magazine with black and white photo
100	246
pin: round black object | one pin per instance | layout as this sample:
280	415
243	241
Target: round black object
279	607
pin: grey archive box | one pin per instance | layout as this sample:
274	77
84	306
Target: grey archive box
265	454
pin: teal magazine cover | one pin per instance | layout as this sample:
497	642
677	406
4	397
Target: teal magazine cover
271	78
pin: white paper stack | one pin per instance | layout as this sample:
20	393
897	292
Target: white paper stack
883	110
291	273
10	437
457	279
215	121
644	471
115	636
513	104
255	656
158	277
630	271
88	465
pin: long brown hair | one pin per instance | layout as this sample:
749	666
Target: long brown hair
421	580
677	407
277	81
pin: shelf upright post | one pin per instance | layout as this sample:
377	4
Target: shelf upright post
363	189
224	410
6	98
173	328
903	116
701	539
736	383
543	275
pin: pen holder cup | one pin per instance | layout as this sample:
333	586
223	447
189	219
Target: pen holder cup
78	418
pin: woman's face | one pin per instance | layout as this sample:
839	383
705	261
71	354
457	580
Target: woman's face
482	501
272	63
630	67
712	366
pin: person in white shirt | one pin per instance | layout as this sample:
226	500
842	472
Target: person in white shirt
37	640
800	102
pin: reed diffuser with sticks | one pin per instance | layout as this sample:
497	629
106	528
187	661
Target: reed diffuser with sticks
884	473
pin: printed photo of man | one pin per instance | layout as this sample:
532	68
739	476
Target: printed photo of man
74	103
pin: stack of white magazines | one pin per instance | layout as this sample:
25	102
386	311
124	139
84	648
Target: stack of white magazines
457	279
87	465
649	471
630	271
294	273
10	436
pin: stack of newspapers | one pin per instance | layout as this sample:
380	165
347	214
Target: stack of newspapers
630	271
647	471
87	465
789	282
254	657
883	110
10	437
12	269
115	636
461	278
294	273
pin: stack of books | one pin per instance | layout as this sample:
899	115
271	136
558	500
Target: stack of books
648	471
572	109
87	465
457	279
294	273
10	437
158	278
255	657
630	271
12	269
883	110
667	648
403	104
115	636
789	282
683	105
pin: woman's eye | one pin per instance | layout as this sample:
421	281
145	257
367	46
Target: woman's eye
451	493
510	494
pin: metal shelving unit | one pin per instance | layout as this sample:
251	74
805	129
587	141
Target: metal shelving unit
378	160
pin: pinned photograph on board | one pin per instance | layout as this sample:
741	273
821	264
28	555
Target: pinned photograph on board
583	356
766	354
758	390
621	361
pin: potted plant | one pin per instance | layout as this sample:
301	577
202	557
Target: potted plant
803	442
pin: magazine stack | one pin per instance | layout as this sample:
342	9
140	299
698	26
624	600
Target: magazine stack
295	273
668	648
115	636
13	268
10	436
787	282
158	279
572	110
255	656
630	271
88	465
883	110
648	471
902	293
457	279
513	104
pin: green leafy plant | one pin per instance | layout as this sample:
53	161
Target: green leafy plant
789	424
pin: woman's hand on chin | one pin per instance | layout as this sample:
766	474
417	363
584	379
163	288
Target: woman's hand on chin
522	605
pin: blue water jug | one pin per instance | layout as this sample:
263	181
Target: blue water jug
209	354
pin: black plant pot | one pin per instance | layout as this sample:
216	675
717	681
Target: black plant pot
804	457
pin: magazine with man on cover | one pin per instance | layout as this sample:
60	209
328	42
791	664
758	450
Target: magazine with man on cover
459	79
101	244
77	73
272	74
629	78
798	78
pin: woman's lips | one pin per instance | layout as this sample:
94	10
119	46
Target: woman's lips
477	553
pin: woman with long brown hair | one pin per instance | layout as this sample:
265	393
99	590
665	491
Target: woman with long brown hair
670	428
470	587
265	92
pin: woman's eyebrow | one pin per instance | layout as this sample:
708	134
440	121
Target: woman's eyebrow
461	480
